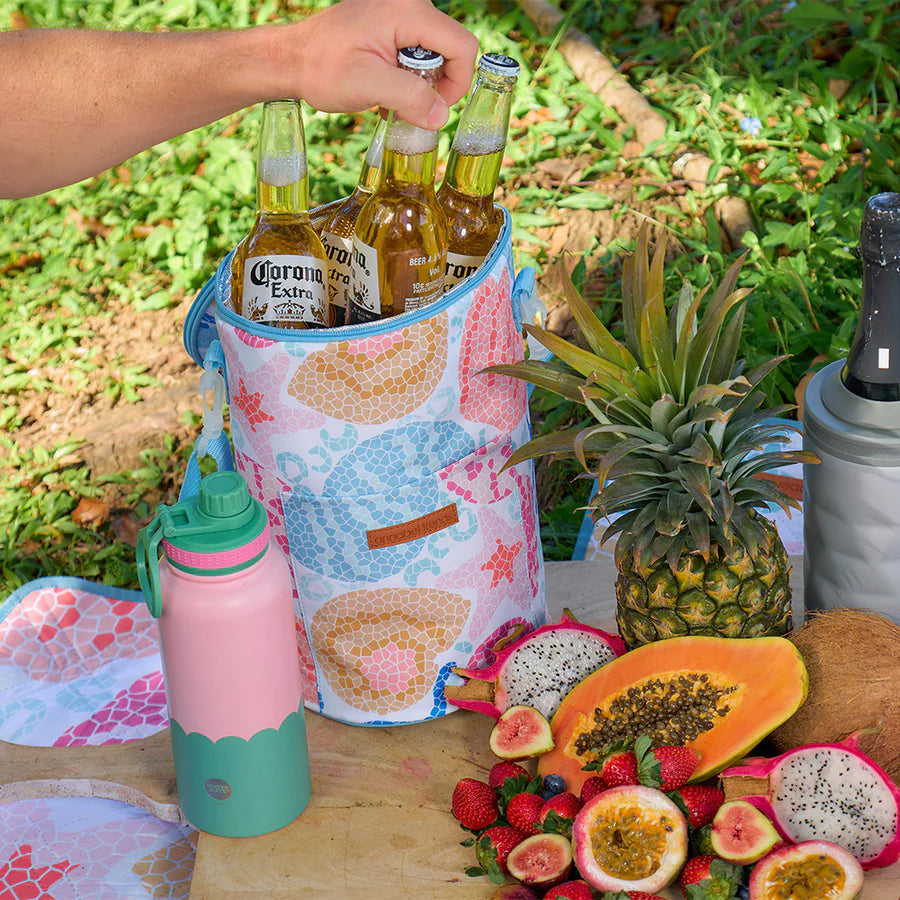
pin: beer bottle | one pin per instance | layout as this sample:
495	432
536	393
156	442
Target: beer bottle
467	192
336	230
400	241
319	215
279	269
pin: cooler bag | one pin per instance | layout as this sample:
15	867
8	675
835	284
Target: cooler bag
377	450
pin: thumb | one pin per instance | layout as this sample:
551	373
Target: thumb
410	97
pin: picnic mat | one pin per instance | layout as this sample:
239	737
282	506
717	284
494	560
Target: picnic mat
79	665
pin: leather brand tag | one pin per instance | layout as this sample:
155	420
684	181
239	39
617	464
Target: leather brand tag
793	487
392	535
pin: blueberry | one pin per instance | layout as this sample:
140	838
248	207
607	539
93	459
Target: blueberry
743	892
553	785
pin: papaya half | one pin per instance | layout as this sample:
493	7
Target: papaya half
721	696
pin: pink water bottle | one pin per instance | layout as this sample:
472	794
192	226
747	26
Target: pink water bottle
222	595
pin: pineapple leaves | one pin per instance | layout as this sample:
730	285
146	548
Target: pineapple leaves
747	530
562	444
698	525
547	375
654	330
670	514
583	361
703	343
612	456
726	351
595	332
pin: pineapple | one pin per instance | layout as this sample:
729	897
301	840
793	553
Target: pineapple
677	419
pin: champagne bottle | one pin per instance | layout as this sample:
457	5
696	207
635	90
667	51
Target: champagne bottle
337	228
400	240
467	193
873	365
279	272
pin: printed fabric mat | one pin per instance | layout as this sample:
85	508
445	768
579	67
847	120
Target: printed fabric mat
790	526
79	665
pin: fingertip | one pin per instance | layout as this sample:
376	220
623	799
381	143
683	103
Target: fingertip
438	114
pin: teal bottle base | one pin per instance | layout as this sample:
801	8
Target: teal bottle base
241	788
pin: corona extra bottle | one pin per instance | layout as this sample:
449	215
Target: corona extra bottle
279	271
400	241
467	192
336	230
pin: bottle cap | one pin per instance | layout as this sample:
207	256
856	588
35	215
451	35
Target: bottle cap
222	495
418	59
219	531
498	64
879	237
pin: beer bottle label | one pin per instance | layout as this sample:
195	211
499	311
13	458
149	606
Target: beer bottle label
281	290
425	280
459	266
365	297
338	251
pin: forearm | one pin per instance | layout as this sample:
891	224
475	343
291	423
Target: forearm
77	102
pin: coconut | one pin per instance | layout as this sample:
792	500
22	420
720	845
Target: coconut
851	657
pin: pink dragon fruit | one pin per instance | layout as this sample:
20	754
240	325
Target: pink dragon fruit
536	670
825	792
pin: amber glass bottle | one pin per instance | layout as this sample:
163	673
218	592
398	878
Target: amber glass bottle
467	192
400	240
337	228
279	272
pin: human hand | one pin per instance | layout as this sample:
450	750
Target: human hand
344	59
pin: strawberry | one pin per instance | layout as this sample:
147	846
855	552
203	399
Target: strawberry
708	877
618	766
591	787
506	769
491	848
523	810
665	768
676	765
570	890
565	805
474	804
699	802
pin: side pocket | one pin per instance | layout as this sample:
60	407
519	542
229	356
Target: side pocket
398	588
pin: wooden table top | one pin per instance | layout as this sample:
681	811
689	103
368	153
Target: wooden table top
379	825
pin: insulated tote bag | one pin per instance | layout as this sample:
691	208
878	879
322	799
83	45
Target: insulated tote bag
377	450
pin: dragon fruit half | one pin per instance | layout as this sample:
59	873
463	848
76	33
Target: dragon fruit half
536	670
825	792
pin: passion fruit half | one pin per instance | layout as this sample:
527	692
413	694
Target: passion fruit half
817	869
630	838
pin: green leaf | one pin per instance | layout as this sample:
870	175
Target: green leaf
595	332
586	200
549	376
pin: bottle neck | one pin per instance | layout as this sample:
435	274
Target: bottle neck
873	365
282	179
473	165
410	154
370	173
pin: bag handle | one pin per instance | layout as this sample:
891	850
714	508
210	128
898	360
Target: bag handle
528	307
212	441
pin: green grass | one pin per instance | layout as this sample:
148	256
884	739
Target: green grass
168	215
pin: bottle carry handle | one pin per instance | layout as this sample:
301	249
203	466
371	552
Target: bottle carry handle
147	554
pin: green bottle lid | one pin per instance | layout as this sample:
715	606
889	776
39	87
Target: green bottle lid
219	531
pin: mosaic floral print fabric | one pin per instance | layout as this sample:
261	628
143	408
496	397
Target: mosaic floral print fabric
79	665
380	459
